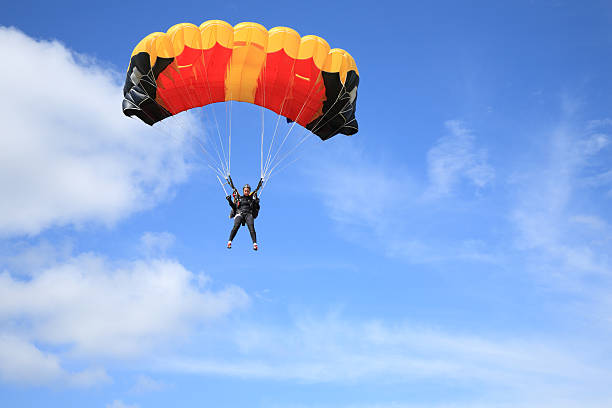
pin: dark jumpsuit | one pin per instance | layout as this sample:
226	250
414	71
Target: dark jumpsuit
244	208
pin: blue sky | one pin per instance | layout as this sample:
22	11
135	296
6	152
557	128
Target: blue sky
453	253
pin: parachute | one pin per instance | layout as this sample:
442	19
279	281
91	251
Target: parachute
299	78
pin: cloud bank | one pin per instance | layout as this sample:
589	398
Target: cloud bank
86	308
67	153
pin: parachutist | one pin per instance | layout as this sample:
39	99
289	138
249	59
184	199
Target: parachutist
164	79
245	208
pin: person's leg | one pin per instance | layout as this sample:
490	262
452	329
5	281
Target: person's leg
237	222
250	221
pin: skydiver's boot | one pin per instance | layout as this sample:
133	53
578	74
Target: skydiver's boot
229	244
254	246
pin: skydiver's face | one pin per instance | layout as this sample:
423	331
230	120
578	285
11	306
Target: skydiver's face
246	191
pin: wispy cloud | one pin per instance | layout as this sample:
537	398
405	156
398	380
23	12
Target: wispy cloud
333	350
360	191
146	384
455	157
562	222
552	215
385	205
67	153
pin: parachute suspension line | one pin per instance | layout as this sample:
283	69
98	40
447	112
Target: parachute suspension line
271	171
262	187
270	162
180	121
274	135
211	141
229	122
147	93
165	132
214	111
314	129
222	162
222	184
261	174
212	160
279	116
227	130
193	99
282	144
280	170
219	173
229	154
217	162
317	126
215	169
214	116
304	137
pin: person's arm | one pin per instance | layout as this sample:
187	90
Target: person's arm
231	203
231	184
254	193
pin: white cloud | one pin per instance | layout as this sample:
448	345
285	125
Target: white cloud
333	350
157	243
23	363
106	309
67	153
92	308
455	157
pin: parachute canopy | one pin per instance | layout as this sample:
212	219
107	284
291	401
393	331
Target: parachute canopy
300	78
